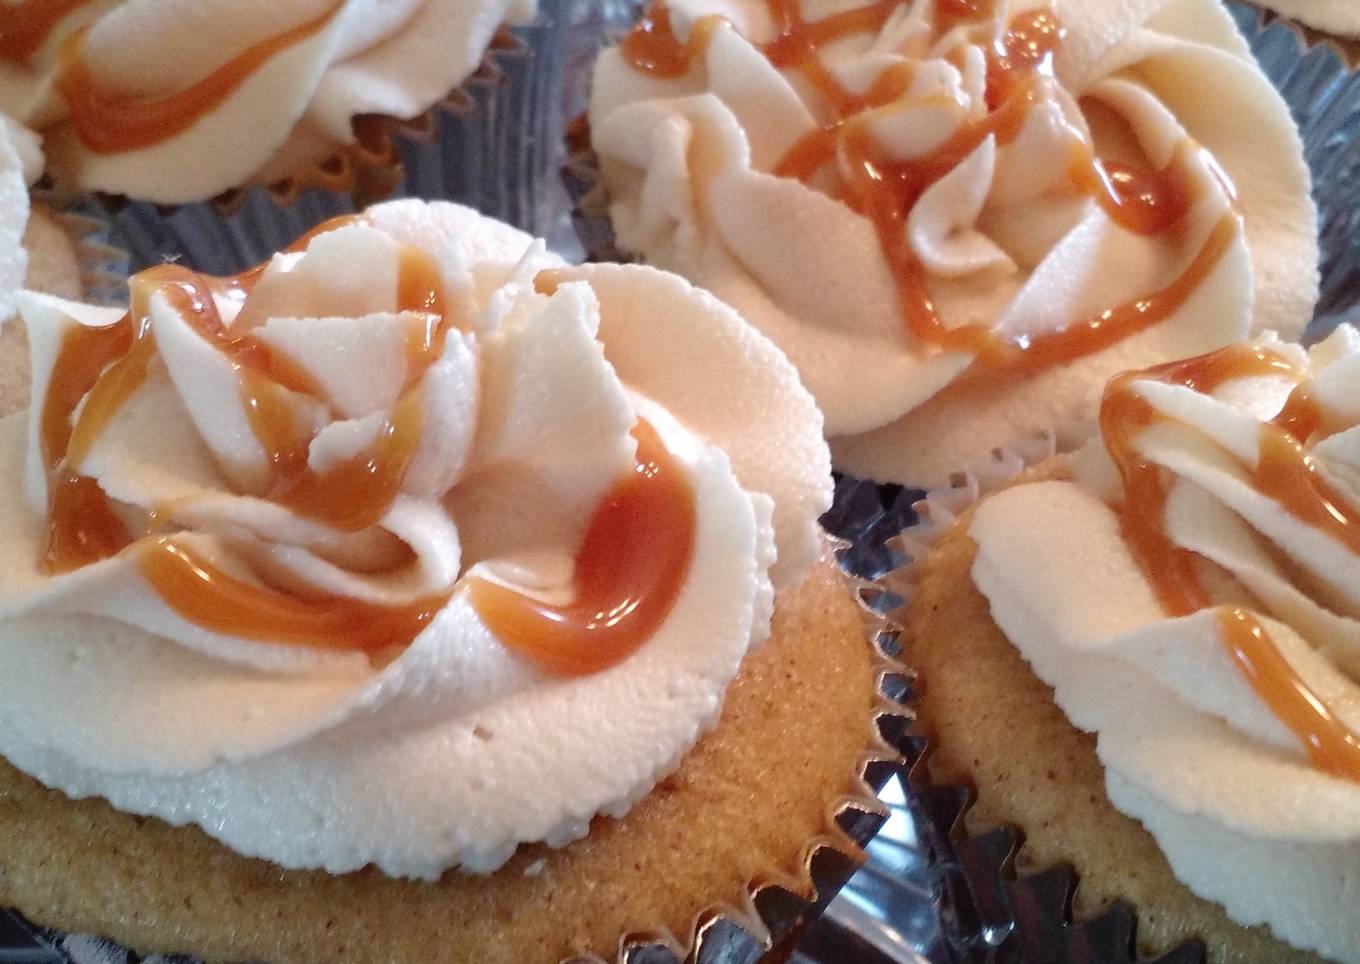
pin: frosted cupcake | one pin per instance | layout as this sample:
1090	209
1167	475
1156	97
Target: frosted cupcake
960	219
385	575
254	94
1146	657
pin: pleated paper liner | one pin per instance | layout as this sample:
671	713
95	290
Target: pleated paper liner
490	144
778	906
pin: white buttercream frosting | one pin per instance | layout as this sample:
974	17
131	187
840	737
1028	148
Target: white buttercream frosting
18	148
1005	237
459	748
1189	748
396	58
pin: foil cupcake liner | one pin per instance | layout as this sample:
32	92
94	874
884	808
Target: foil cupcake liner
490	144
778	908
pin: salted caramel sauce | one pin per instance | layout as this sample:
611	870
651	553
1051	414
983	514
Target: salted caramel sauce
100	367
1145	201
212	598
653	48
951	13
629	572
1283	472
26	25
109	123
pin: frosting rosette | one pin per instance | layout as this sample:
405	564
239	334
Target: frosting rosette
960	219
1191	597
406	547
254	92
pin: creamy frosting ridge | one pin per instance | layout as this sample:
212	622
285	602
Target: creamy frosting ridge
959	220
306	669
20	165
254	91
1191	595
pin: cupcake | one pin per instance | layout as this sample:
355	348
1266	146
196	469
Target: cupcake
1146	655
252	95
960	219
370	605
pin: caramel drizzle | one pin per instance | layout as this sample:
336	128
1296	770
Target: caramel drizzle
26	25
629	569
109	123
629	572
103	367
1285	473
1148	202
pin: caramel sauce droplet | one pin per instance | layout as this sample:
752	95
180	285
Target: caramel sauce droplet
1148	202
26	25
1285	473
629	572
113	123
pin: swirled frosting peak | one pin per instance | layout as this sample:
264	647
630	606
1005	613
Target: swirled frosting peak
960	219
1193	596
359	557
179	100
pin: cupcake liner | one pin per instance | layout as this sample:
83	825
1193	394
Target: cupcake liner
985	909
777	908
492	143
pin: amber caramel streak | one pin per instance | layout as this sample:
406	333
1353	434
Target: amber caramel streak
109	123
1283	472
26	25
1144	201
629	572
629	569
209	597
